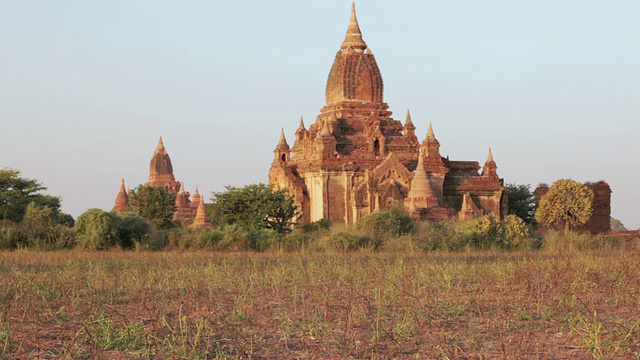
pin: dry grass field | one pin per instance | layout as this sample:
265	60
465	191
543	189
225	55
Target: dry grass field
206	305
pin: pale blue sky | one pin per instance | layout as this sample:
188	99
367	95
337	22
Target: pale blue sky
86	87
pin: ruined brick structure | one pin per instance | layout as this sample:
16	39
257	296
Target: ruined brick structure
356	159
161	175
600	220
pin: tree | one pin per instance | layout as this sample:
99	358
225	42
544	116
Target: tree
97	229
254	206
156	204
567	204
41	229
16	193
521	202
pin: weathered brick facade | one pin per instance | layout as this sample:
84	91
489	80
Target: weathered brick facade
356	159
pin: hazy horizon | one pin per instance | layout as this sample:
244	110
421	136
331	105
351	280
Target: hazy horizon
553	88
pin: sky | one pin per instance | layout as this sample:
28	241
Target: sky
87	87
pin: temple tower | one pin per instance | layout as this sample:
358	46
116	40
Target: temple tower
122	199
201	219
161	170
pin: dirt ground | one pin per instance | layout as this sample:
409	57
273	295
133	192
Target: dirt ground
207	305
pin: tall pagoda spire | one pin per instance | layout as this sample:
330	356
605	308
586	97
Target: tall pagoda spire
353	39
421	194
195	199
122	200
430	134
161	169
282	150
490	168
160	146
408	119
201	219
283	139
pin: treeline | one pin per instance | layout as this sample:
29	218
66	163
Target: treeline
257	218
391	230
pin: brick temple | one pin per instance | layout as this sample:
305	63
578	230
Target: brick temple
356	159
189	210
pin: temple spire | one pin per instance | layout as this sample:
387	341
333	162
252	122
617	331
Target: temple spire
122	199
283	140
430	134
490	168
490	156
160	146
201	219
353	39
421	194
408	120
301	127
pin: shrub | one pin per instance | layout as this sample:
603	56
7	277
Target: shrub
263	239
348	242
97	229
483	233
384	225
133	229
235	238
439	236
322	224
41	230
202	238
10	235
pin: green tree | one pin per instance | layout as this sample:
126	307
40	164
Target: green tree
16	193
521	202
156	204
567	204
97	229
255	206
42	231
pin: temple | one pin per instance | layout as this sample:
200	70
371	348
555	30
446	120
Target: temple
355	159
189	211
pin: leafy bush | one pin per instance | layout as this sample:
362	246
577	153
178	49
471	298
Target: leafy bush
97	229
237	238
133	229
439	236
263	239
10	235
322	224
483	233
41	230
202	238
348	242
386	224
